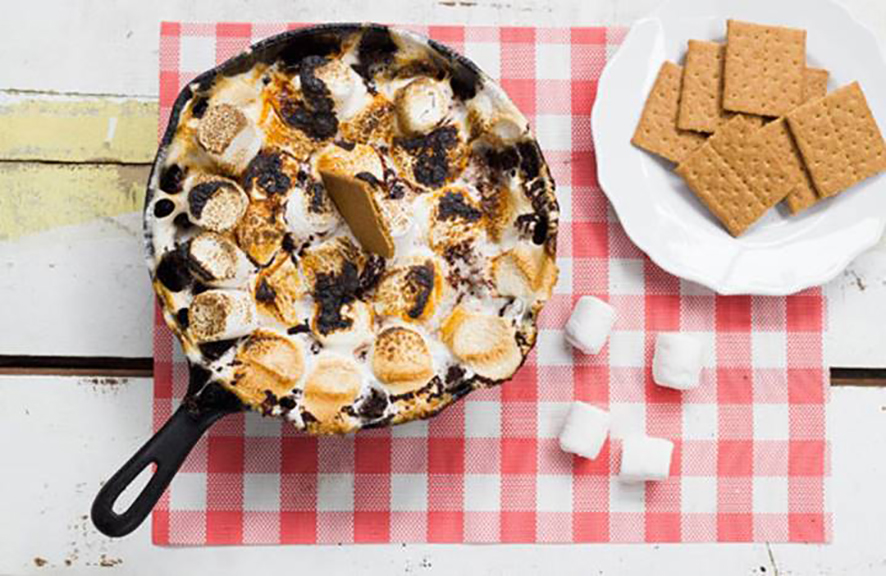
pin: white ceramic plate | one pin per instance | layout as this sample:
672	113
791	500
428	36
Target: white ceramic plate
781	254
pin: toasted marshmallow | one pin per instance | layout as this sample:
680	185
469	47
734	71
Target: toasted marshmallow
217	259
330	258
455	218
361	158
345	87
267	362
401	360
228	136
485	343
310	211
279	291
422	105
334	383
221	314
260	232
215	203
526	272
410	292
358	332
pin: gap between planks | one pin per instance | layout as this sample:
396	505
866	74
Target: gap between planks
144	367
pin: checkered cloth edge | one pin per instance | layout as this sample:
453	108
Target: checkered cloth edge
751	458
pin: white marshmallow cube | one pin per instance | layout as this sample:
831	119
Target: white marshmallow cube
589	325
678	360
585	430
644	458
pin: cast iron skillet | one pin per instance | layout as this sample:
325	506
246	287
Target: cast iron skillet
207	401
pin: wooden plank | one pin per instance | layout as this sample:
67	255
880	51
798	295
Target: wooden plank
875	377
77	366
77	128
37	196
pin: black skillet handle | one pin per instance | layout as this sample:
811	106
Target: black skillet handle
168	448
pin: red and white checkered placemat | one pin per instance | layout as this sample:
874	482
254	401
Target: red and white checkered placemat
751	455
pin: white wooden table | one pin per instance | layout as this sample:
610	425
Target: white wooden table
74	291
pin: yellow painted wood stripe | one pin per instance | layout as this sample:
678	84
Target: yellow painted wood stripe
65	128
36	197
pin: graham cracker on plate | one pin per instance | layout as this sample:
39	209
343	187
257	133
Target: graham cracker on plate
777	136
657	130
735	175
815	83
839	139
701	96
763	69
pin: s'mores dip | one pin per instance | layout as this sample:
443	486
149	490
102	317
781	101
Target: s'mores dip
353	230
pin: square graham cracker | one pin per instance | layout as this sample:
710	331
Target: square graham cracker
657	130
777	136
763	69
839	139
701	96
736	175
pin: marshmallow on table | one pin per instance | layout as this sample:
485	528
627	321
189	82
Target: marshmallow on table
645	458
585	430
589	325
678	360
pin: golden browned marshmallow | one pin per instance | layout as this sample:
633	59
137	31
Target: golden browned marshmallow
279	289
216	258
410	292
456	218
267	362
334	159
333	384
352	327
485	343
421	105
221	314
228	135
526	271
214	202
330	258
401	360
260	232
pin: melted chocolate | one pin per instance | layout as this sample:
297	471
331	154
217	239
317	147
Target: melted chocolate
182	221
331	292
373	407
265	171
421	281
431	166
173	271
376	50
453	206
314	115
163	208
171	179
371	274
181	317
264	293
215	350
198	106
318	198
369	178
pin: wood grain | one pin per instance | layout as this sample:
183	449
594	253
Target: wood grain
66	128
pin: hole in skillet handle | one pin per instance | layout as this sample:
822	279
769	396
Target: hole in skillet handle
168	448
